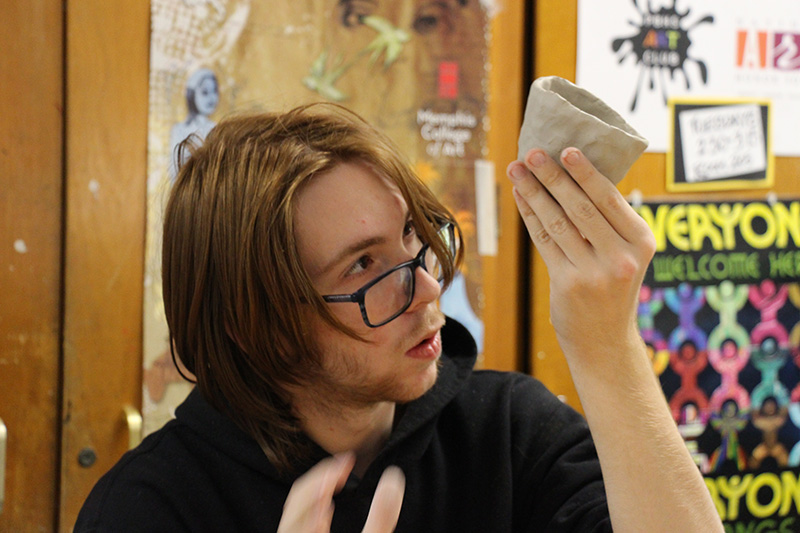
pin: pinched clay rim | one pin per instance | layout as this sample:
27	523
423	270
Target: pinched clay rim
585	121
583	100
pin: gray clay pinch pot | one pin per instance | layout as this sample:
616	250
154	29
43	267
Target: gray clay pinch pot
560	114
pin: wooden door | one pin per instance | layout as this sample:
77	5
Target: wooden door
31	120
72	247
106	155
73	137
555	53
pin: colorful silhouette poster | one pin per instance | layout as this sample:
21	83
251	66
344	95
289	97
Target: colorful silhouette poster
720	313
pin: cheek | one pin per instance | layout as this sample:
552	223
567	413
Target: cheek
347	313
332	344
327	337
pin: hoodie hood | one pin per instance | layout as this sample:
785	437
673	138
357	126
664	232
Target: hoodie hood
409	435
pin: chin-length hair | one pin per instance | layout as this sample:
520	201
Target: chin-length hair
235	290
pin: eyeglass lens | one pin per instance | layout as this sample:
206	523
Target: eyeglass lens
393	294
389	295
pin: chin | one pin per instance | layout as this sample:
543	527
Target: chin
423	383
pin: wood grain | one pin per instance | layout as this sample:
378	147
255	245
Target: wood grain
502	285
30	257
106	146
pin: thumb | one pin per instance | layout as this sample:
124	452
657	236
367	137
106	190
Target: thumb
386	503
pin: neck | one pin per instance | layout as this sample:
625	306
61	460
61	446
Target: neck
361	430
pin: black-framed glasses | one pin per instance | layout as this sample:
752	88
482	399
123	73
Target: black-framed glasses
388	296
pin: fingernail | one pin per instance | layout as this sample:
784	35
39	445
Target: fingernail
394	479
571	156
395	473
537	159
516	172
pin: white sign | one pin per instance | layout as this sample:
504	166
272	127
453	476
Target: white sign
722	141
636	55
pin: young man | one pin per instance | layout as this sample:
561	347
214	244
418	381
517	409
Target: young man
302	263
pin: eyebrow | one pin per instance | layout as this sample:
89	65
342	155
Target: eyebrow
356	247
352	250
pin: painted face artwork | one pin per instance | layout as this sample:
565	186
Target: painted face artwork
206	96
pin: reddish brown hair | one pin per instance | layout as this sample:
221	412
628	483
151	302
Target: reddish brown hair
234	288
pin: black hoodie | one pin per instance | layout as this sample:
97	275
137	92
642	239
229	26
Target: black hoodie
481	451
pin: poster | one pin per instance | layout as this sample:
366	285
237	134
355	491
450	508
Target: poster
720	312
636	54
415	70
719	144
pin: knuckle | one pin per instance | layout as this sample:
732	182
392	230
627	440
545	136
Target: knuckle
525	210
648	244
558	226
541	236
549	177
627	268
615	202
644	240
585	210
532	190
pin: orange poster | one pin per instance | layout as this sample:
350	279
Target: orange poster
415	69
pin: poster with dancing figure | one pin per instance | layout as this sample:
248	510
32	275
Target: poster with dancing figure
719	310
416	70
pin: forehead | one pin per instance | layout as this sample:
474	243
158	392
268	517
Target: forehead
344	206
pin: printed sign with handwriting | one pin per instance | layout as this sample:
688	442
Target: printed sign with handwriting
720	142
719	145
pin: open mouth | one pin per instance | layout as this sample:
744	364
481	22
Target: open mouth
429	348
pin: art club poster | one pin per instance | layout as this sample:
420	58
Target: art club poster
635	54
416	70
720	312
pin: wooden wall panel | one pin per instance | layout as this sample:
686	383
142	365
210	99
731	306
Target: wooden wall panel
106	141
504	305
30	257
554	35
555	42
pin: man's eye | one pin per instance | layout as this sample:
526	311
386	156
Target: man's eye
361	265
409	229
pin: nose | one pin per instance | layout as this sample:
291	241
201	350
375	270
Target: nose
426	289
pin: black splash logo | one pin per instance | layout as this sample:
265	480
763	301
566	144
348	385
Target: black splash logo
661	44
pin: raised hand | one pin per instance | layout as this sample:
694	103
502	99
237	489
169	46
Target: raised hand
595	246
597	249
309	506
